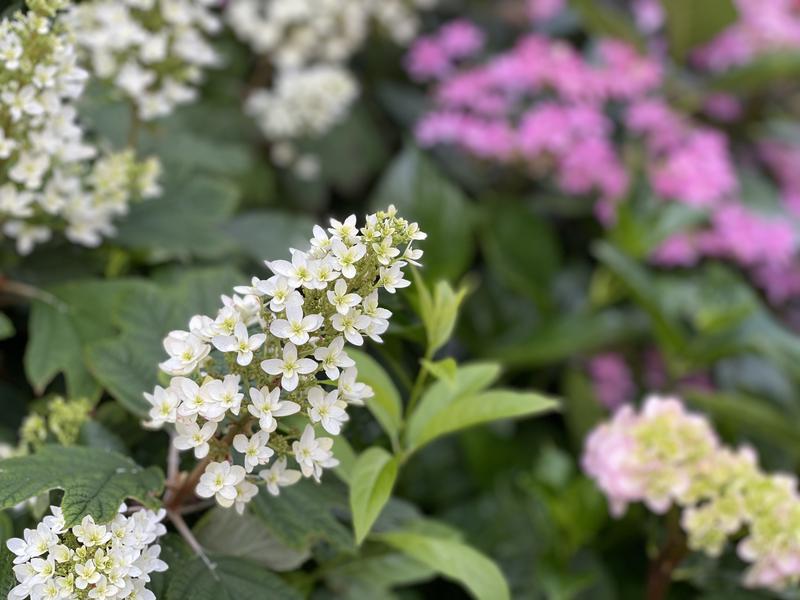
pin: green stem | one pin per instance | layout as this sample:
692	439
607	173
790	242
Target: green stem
419	386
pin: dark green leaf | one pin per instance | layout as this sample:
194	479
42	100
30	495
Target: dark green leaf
95	482
421	193
230	579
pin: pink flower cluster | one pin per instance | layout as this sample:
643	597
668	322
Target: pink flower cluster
665	456
629	466
540	104
762	27
434	56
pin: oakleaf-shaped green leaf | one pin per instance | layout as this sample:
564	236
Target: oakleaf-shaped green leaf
95	481
371	486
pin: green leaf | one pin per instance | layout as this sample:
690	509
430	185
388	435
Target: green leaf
453	559
371	486
521	247
7	579
303	515
470	410
763	71
644	290
421	193
266	235
225	532
469	379
751	415
127	365
95	482
691	23
6	327
606	21
385	405
61	331
570	335
231	579
184	222
379	572
54	347
346	456
439	311
444	370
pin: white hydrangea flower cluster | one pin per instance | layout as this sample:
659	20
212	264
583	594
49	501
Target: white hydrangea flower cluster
296	33
308	43
153	51
665	456
49	178
302	103
101	562
281	342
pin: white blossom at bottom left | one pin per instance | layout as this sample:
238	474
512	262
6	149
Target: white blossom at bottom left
88	561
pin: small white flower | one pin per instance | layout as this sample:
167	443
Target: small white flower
240	342
278	476
347	257
340	299
267	406
295	327
351	390
351	324
313	454
185	350
392	278
385	251
347	231
282	294
297	272
255	450
219	481
86	574
195	400
165	404
191	435
90	534
290	367
225	393
333	358
245	491
326	408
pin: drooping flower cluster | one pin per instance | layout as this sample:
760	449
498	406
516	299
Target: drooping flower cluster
89	560
50	178
251	383
665	456
153	51
307	44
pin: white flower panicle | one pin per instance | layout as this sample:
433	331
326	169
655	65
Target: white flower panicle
296	33
253	385
308	44
303	103
88	561
153	51
50	178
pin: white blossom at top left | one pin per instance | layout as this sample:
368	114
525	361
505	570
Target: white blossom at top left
51	179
